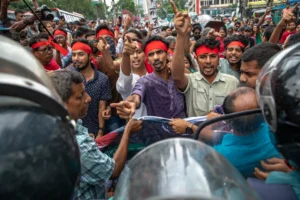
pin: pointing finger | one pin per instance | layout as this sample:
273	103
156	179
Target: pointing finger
175	10
103	40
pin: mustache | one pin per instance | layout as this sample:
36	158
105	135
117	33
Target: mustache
157	62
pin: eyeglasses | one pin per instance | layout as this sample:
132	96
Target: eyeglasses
59	37
95	41
45	50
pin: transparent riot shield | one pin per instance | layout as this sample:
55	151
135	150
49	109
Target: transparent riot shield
181	169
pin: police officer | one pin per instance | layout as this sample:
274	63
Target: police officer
278	88
39	156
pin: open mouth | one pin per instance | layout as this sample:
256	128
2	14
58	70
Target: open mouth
157	65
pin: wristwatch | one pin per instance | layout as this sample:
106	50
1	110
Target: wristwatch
189	129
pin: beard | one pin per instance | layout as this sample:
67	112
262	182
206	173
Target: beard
82	66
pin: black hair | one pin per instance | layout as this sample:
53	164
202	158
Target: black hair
90	33
210	43
37	38
231	28
294	39
189	58
80	32
19	12
237	22
136	32
76	22
164	28
261	53
144	33
224	29
85	41
241	38
268	32
174	33
155	38
197	27
104	26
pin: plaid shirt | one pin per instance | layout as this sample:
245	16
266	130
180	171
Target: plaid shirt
96	167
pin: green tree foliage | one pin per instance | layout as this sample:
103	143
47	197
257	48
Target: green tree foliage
126	5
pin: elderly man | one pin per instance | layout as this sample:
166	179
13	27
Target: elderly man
97	167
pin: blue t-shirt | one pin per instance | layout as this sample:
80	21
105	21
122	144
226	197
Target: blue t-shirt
246	151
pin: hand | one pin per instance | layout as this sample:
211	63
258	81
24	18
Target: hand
268	11
179	125
129	47
106	114
182	22
273	164
287	16
150	28
134	125
102	45
100	134
125	109
92	135
33	18
212	34
212	115
127	22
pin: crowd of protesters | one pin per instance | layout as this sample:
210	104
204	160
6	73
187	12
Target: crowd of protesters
109	74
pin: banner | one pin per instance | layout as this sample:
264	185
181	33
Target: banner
152	9
153	129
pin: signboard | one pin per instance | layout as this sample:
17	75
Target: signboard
152	9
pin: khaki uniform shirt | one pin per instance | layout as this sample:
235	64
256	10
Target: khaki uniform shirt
201	96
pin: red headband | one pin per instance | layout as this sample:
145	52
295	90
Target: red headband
155	45
236	43
105	32
59	32
83	47
62	50
204	49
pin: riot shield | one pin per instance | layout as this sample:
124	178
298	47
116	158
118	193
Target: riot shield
181	169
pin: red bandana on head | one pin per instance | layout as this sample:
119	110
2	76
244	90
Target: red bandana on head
236	43
103	32
62	50
59	32
155	45
82	46
204	50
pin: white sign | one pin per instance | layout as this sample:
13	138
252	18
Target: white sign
152	9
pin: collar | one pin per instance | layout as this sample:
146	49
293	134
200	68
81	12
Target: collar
219	77
93	67
81	130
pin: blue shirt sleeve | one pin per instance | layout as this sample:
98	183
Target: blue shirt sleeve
67	60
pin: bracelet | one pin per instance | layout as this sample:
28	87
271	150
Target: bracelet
102	129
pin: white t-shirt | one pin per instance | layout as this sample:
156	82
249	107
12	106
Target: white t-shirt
125	84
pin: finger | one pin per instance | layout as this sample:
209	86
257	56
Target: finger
128	39
175	10
275	160
170	123
102	40
117	105
260	174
